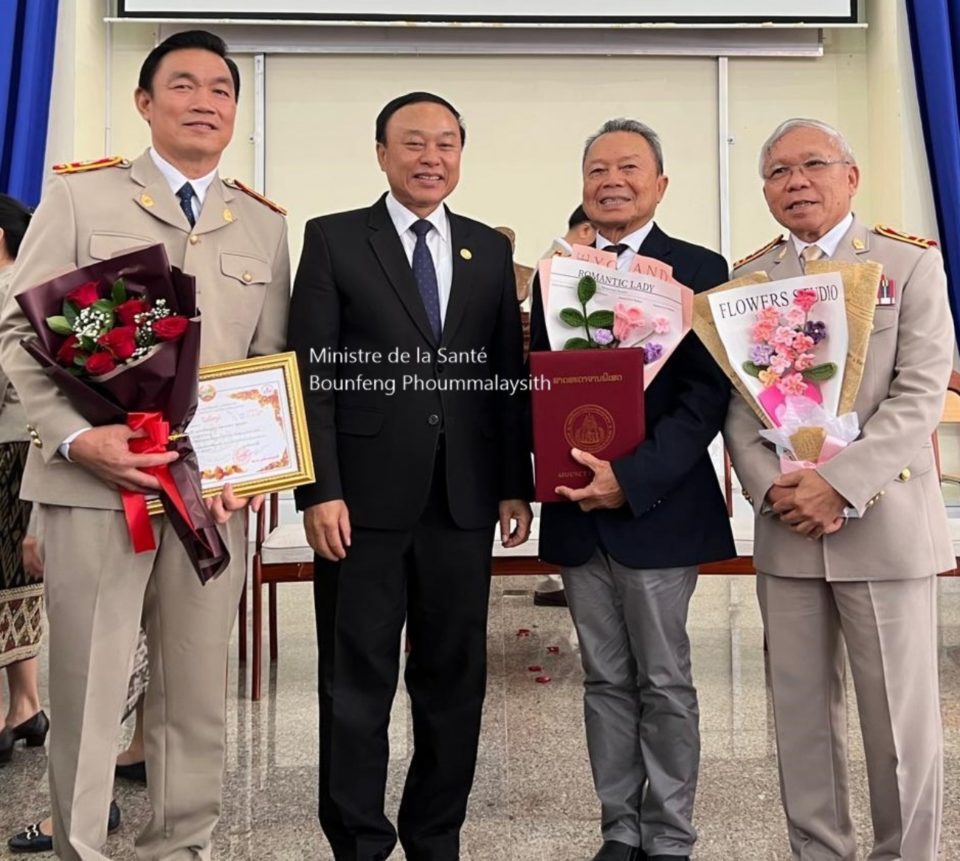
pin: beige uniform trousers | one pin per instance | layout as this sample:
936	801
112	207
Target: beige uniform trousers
890	631
96	591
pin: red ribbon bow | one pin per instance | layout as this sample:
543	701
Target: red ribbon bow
157	435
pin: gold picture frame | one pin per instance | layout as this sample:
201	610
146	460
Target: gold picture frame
260	417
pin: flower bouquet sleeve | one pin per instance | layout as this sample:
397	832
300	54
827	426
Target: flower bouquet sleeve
121	340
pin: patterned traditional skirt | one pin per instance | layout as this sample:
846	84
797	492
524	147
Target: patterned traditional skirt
21	598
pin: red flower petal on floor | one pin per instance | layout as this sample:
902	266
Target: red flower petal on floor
543	680
523	632
535	668
553	650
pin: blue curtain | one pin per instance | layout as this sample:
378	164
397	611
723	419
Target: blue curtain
935	38
28	31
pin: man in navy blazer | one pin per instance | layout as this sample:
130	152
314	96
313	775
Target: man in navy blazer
629	543
405	320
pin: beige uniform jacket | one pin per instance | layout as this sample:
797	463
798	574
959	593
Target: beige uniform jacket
237	251
13	420
904	533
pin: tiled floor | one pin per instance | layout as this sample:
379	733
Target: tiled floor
533	797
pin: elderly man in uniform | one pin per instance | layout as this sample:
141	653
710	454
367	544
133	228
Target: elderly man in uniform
867	582
97	588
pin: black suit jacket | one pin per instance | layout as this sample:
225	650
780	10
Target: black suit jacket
375	422
675	513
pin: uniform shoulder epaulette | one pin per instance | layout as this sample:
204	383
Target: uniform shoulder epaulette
773	243
235	183
95	164
905	237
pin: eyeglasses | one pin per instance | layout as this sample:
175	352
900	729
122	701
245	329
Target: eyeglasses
811	167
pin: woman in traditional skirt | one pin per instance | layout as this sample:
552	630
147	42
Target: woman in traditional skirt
21	596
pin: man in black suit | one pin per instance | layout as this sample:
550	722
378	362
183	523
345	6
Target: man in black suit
629	543
405	321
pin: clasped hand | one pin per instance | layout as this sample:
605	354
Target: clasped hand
807	503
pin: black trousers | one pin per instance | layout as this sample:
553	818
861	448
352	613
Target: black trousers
435	576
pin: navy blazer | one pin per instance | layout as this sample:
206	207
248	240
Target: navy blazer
675	514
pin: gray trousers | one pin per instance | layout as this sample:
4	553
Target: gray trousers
640	705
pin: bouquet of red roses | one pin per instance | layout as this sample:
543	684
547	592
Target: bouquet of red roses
121	340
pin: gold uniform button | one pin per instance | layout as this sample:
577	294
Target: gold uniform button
905	474
38	442
247	277
194	239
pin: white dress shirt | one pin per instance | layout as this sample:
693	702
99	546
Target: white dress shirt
829	241
175	180
633	241
438	243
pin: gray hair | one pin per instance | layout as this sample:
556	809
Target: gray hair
846	153
622	124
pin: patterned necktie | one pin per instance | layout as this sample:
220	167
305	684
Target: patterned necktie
426	275
186	202
616	249
811	252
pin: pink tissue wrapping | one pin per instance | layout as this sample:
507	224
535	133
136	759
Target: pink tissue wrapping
831	446
774	401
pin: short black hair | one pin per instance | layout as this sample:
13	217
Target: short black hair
201	39
14	219
394	105
577	217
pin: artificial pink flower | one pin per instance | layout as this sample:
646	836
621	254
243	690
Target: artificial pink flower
661	325
770	316
805	298
779	363
793	384
762	332
803	343
803	361
795	316
783	337
627	319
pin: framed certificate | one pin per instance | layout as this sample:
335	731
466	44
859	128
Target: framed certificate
250	428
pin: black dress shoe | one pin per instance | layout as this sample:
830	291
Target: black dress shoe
33	731
32	839
614	850
557	598
135	771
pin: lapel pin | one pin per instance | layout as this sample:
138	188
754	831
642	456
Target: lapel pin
146	200
858	244
227	215
466	254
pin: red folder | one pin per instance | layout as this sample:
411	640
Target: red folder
586	399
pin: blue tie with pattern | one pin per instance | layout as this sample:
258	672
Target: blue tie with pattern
186	202
426	275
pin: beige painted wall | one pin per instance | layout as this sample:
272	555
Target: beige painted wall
527	118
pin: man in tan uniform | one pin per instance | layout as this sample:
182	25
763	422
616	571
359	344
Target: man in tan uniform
869	583
97	588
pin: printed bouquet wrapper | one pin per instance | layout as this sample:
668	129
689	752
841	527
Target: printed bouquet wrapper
156	393
774	402
589	305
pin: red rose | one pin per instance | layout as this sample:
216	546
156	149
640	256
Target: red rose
99	363
121	342
170	328
84	295
127	311
68	351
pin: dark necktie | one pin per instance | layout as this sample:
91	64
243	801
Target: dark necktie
616	249
426	275
186	202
